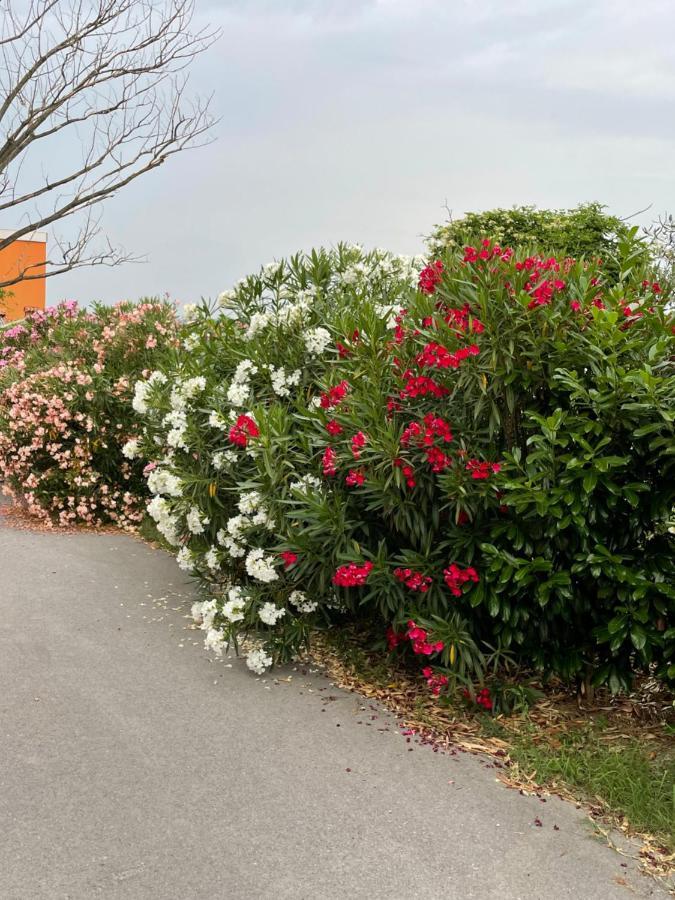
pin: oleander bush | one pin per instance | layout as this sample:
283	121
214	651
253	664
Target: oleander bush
66	379
474	457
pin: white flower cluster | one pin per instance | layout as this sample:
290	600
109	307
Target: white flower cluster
223	458
258	661
160	510
281	382
307	484
195	520
234	606
240	386
142	390
216	420
130	449
301	603
261	567
212	558
185	559
388	313
140	401
162	482
204	613
270	613
316	341
190	311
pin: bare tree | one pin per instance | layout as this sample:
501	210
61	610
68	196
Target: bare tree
92	95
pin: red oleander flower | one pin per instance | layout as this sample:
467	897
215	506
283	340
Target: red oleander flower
334	428
335	395
242	430
358	443
482	470
289	558
328	461
352	575
430	277
394	638
355	478
455	577
413	580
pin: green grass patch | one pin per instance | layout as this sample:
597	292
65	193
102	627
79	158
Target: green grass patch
632	776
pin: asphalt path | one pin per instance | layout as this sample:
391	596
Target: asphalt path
134	765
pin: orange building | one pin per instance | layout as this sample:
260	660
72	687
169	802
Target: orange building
17	299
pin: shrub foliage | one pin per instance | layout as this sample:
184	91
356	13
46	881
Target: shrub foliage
475	456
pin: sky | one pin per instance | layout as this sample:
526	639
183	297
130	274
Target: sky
365	120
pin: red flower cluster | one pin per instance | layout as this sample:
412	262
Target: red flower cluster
430	277
420	386
434	427
420	644
242	430
413	580
484	699
407	470
435	682
289	558
438	356
461	319
335	395
394	638
352	575
455	577
358	443
472	254
334	428
355	478
328	461
482	470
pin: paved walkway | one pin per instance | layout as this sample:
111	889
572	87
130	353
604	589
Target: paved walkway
133	766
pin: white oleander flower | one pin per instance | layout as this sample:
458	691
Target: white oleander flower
216	641
140	401
269	613
307	484
301	603
196	612
316	341
167	523
258	661
234	606
212	559
223	458
162	482
261	567
216	420
227	298
195	520
130	449
237	525
184	559
248	503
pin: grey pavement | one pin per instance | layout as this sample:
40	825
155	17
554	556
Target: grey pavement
132	765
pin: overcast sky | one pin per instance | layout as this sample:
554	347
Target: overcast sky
359	119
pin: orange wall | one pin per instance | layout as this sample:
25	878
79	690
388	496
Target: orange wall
17	298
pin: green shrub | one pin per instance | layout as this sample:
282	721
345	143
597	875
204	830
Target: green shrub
483	462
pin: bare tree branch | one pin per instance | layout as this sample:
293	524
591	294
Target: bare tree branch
105	78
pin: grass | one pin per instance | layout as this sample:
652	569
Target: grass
630	776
